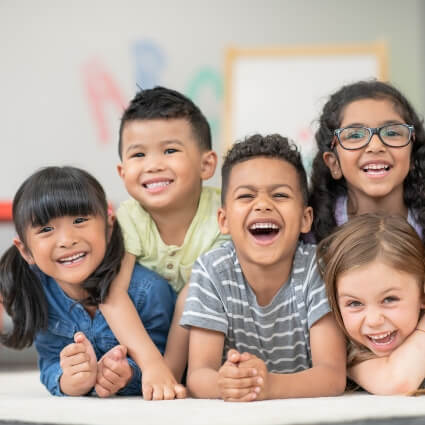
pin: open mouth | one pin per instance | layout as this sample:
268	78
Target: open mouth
383	339
376	169
264	232
72	259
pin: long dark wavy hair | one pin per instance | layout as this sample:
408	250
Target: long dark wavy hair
47	194
324	190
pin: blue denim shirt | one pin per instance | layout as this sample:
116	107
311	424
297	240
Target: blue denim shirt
154	300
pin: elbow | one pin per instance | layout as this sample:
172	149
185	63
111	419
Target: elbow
404	386
338	385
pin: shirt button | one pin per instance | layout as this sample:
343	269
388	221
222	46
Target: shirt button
169	266
173	253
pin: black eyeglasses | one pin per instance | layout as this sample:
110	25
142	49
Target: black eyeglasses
392	135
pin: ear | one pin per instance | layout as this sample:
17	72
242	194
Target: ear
332	163
120	170
208	164
222	221
26	255
110	224
307	220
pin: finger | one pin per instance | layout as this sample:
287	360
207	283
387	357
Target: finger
169	393
79	337
237	393
157	393
252	396
233	355
101	391
147	391
242	383
72	350
246	356
237	372
181	391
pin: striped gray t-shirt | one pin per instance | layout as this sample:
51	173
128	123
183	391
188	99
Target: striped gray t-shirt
220	299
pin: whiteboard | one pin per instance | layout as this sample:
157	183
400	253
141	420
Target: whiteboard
282	90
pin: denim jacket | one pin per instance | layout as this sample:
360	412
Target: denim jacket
153	298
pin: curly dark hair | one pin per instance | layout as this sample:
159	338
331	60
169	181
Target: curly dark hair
164	103
324	190
271	146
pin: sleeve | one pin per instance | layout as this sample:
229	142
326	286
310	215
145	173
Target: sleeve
315	293
155	305
134	387
204	307
131	237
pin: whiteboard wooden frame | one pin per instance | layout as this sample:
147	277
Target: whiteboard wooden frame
378	49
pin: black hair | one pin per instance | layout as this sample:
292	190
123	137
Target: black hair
271	146
47	194
164	103
324	190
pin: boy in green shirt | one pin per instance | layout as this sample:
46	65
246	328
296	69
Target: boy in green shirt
165	151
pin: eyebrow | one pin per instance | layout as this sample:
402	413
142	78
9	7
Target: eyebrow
255	188
135	146
381	124
392	289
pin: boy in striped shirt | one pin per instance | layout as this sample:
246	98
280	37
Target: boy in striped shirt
260	323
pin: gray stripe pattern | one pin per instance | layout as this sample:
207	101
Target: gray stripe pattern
220	299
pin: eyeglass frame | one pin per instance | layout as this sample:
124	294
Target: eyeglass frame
372	132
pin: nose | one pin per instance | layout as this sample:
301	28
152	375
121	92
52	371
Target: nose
374	317
67	237
262	203
155	163
375	144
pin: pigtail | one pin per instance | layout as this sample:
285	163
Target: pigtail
23	299
97	285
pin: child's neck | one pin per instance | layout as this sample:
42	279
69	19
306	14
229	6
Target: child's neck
173	225
266	281
391	204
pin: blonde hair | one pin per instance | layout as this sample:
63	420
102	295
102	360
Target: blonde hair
360	241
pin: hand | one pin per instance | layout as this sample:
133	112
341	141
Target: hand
79	366
236	383
252	362
158	383
113	372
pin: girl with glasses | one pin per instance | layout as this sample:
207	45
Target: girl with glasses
370	159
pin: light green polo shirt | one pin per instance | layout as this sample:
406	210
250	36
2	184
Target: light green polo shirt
174	263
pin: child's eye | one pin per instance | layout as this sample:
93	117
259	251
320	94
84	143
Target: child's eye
45	229
245	196
80	220
388	300
353	304
170	151
138	155
280	195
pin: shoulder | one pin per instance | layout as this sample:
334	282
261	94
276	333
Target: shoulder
221	259
131	208
210	198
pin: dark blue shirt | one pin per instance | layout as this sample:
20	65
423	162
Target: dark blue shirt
153	298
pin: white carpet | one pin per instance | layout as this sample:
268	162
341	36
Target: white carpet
23	398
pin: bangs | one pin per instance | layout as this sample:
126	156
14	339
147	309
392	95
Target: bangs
57	193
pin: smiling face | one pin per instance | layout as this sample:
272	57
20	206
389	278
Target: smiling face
162	165
264	211
69	249
379	305
375	172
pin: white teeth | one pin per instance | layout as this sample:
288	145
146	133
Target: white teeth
157	184
72	258
376	167
379	337
256	226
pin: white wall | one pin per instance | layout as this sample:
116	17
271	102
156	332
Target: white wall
49	47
